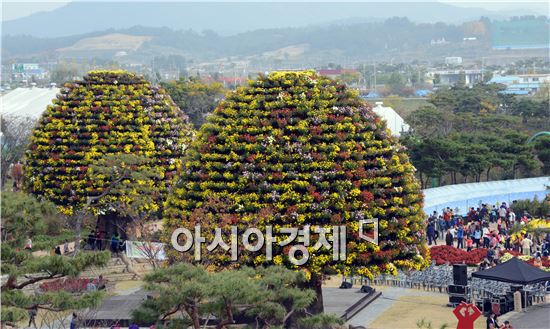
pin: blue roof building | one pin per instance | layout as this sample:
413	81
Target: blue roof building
505	79
422	92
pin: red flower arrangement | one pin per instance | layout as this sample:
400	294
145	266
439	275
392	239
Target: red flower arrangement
72	285
448	254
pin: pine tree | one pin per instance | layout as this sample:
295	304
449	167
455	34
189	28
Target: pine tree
23	217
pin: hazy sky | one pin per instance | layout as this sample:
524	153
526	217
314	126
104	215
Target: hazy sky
12	9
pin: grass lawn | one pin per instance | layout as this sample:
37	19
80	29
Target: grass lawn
407	311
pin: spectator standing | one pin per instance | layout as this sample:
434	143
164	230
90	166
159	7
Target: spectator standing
502	211
102	244
91	240
460	237
492	322
477	236
115	240
430	231
469	243
486	237
484	212
453	231
526	245
97	239
441	227
493	215
449	238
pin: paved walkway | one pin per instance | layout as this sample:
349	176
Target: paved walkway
336	300
384	302
536	317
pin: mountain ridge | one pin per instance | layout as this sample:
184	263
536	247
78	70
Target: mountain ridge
225	18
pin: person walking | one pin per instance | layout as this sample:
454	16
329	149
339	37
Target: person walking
74	322
33	311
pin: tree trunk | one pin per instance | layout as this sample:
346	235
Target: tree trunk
78	231
316	283
196	318
488	171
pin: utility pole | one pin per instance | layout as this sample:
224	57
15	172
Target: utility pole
365	76
482	80
374	65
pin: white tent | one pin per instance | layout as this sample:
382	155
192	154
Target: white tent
464	196
27	102
394	121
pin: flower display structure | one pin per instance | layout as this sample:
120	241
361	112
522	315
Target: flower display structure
452	255
106	113
293	149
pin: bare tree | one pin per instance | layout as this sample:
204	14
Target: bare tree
15	132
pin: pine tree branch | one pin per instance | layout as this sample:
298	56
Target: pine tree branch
37	279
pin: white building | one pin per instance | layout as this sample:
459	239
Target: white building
452	77
394	121
453	60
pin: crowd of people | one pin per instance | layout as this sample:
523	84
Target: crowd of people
96	241
486	227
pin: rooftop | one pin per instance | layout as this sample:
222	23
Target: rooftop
27	102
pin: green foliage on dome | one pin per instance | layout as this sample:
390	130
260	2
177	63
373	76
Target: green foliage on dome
293	149
107	113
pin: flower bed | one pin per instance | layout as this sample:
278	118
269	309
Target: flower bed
72	285
528	259
451	255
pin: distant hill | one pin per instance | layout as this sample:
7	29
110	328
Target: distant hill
114	41
225	18
394	38
352	40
